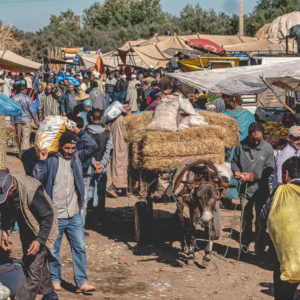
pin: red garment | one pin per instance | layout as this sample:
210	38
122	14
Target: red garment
149	99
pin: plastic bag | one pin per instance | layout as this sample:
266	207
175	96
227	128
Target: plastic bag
186	105
166	115
49	133
284	230
113	111
192	121
4	292
224	171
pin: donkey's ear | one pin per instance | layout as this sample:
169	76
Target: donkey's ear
224	185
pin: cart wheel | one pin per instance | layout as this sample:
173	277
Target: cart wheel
140	221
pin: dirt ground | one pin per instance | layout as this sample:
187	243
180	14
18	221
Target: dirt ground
157	269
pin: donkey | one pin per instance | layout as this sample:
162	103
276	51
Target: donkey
201	196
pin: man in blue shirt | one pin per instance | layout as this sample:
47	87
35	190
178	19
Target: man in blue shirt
21	124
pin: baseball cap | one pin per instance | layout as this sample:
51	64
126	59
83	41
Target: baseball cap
295	131
68	137
133	76
6	182
123	76
150	67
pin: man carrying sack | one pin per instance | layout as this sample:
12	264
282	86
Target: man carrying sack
281	216
23	198
61	174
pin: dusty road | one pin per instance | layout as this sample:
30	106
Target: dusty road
122	269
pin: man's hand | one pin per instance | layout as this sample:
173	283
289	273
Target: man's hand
43	155
13	126
237	175
75	129
34	248
97	164
246	176
4	241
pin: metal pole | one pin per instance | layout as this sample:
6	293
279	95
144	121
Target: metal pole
241	19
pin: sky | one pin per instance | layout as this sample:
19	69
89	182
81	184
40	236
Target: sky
32	15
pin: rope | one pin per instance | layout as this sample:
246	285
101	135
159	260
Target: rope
241	247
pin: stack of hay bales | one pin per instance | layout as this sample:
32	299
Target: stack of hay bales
158	150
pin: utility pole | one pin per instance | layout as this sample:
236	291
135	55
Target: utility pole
241	19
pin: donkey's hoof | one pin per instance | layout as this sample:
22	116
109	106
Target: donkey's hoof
205	261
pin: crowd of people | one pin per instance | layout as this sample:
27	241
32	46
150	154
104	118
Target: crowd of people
65	192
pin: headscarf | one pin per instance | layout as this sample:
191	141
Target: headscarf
83	114
87	102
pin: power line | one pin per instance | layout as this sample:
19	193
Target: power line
1	2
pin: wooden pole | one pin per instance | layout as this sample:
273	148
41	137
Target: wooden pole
177	86
273	91
200	60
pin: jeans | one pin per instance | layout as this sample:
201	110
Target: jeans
75	234
108	98
97	191
86	182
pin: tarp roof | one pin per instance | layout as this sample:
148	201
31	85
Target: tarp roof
16	63
252	46
244	80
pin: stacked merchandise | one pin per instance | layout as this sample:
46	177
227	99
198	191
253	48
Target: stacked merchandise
276	128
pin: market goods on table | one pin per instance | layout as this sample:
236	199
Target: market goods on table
276	128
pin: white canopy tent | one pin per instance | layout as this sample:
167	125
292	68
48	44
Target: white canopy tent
16	63
244	80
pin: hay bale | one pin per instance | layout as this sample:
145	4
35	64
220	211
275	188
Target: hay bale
231	126
134	126
135	155
186	135
262	32
157	156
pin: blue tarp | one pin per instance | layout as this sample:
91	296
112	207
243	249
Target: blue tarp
9	107
61	77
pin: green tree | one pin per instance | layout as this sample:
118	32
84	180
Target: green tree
66	20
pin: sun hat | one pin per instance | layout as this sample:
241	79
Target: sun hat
6	182
82	96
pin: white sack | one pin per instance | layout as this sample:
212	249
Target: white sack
224	171
186	105
114	110
192	121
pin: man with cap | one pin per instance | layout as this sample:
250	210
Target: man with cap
131	97
122	84
211	108
141	96
82	84
97	97
291	149
24	199
151	69
110	84
62	176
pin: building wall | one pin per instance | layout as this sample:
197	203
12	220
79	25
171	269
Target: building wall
268	99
